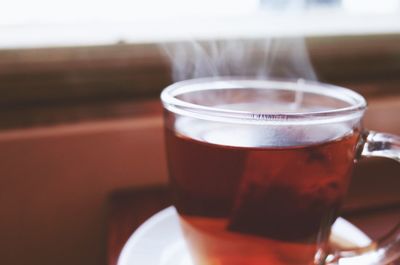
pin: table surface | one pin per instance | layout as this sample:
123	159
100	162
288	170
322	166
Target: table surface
373	205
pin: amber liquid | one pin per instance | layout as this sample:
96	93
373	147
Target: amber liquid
253	205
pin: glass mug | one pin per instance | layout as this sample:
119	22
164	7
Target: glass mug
259	169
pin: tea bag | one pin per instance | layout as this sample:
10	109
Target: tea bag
283	194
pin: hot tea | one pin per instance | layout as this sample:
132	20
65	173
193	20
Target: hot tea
257	197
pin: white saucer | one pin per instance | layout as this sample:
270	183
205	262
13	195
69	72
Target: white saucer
159	241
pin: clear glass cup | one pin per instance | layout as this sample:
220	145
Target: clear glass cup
259	169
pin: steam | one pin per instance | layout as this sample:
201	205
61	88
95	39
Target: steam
266	58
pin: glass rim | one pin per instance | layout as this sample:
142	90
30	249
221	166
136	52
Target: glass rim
355	109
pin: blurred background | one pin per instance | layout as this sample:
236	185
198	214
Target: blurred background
80	80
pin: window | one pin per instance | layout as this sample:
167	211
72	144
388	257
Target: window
46	23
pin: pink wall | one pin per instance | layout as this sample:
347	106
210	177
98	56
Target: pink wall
54	183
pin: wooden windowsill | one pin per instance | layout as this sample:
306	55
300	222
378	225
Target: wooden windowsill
49	86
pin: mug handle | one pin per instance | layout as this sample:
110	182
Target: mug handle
387	248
